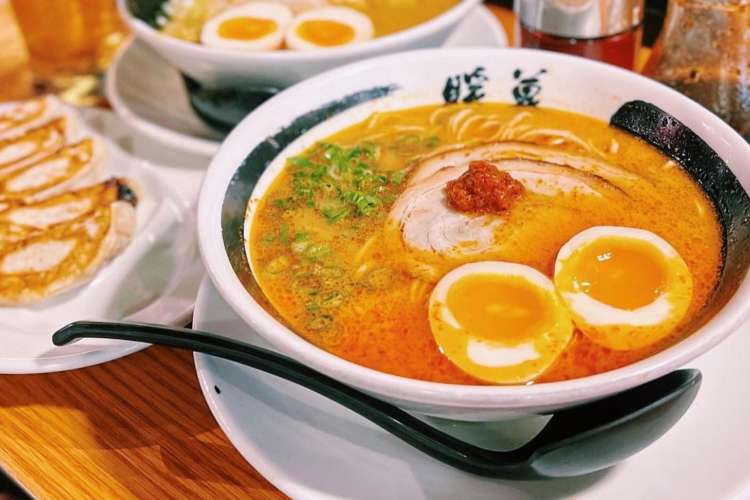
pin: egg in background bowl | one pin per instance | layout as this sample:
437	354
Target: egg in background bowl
257	26
328	27
499	322
626	288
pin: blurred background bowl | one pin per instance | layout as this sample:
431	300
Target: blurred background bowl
221	68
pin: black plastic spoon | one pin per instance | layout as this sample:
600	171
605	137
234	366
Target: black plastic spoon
576	441
223	109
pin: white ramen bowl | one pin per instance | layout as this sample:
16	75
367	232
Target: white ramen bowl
219	68
295	119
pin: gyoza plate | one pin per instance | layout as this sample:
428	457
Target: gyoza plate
153	280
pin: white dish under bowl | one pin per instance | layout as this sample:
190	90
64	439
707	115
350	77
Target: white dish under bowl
154	280
310	447
220	68
419	78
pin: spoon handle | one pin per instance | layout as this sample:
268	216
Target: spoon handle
574	442
413	431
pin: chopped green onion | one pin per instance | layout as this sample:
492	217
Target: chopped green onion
284	234
398	177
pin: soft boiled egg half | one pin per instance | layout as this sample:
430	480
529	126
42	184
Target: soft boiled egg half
255	26
328	27
626	288
499	322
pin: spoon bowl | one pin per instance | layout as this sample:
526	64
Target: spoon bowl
576	441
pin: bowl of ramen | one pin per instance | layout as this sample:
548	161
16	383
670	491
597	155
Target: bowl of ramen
481	234
272	44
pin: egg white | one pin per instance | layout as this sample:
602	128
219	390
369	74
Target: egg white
635	328
493	355
359	22
600	314
485	355
278	13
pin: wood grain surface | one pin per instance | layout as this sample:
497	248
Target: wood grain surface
133	428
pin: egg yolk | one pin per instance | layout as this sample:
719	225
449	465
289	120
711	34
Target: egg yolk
622	272
247	28
494	307
325	33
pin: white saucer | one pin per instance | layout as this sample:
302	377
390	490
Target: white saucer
154	280
149	94
311	448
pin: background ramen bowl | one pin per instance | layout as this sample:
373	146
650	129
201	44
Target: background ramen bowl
299	116
222	68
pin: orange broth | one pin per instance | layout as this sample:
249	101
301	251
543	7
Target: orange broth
337	285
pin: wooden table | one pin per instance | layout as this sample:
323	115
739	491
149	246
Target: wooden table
133	428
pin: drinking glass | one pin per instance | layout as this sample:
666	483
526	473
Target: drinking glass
70	42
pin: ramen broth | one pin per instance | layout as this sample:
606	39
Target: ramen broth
391	16
327	268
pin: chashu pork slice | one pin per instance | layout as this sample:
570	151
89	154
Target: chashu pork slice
74	166
36	144
496	151
424	228
428	223
16	119
64	248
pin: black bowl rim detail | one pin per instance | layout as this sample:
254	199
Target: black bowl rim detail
730	200
147	11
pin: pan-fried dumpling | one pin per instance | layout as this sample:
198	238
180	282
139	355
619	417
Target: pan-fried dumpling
16	119
74	166
35	145
53	246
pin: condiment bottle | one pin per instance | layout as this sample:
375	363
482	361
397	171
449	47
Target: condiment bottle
605	30
703	51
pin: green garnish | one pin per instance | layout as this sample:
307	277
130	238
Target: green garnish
340	183
365	203
432	142
316	252
398	177
267	239
283	203
284	234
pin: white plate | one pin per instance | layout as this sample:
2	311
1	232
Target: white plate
312	448
154	280
149	94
